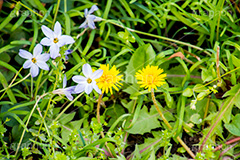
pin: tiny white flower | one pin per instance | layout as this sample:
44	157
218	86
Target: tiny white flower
55	39
90	19
88	82
66	91
193	104
35	61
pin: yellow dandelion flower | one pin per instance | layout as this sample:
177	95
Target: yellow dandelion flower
109	79
151	77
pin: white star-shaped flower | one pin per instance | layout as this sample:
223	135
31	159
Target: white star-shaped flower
35	61
55	39
88	82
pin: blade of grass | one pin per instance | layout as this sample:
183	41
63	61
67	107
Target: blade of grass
9	92
10	16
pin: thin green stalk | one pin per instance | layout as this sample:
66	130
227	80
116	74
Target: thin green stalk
55	15
31	87
35	105
99	121
169	126
48	106
5	89
68	106
219	118
217	78
49	74
32	11
65	6
98	108
38	82
160	37
219	19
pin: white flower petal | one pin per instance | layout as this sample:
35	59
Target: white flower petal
44	57
93	8
84	24
37	50
57	29
97	74
42	65
68	95
88	88
65	39
71	89
47	31
79	79
34	70
97	19
46	41
27	64
64	81
96	88
91	24
54	51
79	88
87	70
25	54
85	12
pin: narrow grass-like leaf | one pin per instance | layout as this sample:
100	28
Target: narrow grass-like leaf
105	14
35	32
10	16
9	91
89	43
19	22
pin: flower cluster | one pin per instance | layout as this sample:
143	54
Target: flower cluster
103	80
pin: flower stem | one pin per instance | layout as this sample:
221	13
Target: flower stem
68	106
11	85
98	108
99	121
31	87
55	15
24	130
169	126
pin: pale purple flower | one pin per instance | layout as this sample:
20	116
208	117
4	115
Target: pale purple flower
55	39
90	19
88	82
35	61
66	91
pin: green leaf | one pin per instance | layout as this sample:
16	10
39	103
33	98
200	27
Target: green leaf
232	91
235	61
67	118
143	56
234	126
114	111
145	122
188	92
196	118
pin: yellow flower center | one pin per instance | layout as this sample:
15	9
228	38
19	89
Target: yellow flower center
149	79
55	40
34	60
89	80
